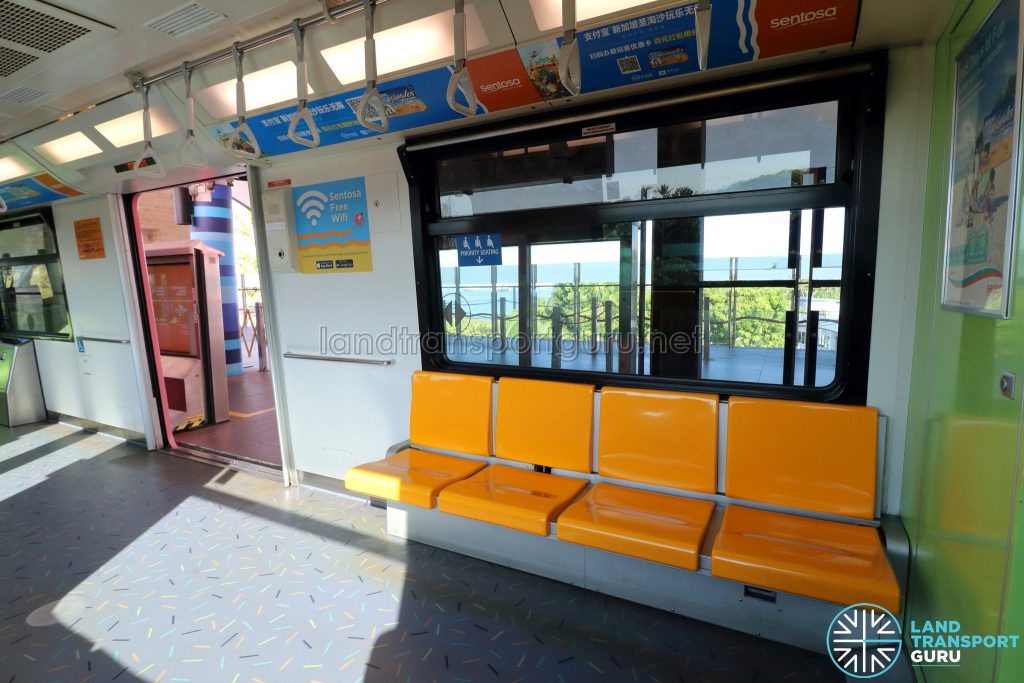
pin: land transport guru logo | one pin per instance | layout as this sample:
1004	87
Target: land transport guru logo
866	640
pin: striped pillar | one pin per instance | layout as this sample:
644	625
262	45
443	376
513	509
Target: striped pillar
212	225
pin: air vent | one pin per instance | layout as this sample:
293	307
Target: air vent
11	61
184	20
23	95
35	30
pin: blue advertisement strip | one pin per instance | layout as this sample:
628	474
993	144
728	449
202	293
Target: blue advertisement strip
411	102
657	45
28	192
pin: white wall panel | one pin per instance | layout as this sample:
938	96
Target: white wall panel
345	414
58	370
101	383
900	226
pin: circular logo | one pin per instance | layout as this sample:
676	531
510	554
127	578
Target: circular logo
864	640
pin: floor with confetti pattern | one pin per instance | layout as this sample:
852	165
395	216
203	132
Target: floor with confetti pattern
122	565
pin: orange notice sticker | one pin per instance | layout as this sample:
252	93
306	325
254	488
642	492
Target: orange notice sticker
89	238
788	26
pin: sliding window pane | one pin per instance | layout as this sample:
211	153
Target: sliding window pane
764	150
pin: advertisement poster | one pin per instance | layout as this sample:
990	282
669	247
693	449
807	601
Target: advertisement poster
332	226
657	45
760	30
39	189
89	239
980	215
412	101
174	308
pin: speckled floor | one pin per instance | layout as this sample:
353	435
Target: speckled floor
152	568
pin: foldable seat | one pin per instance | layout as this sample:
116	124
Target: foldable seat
547	424
815	457
652	437
415	476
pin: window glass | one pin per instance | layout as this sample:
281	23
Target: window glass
763	150
716	298
32	296
33	299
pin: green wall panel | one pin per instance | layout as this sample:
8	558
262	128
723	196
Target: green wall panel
959	478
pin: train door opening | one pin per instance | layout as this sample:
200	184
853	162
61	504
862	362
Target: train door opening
198	256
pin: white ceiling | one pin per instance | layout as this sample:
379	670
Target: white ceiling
97	72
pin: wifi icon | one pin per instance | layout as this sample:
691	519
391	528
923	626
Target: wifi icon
312	205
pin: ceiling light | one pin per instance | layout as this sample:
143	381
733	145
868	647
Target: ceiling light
126	130
548	13
262	88
425	40
13	167
68	148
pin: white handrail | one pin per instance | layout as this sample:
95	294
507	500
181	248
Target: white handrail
703	32
190	153
461	78
243	132
371	98
154	170
302	113
569	54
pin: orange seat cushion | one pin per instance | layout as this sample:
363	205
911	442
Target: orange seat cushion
840	563
651	526
410	476
511	497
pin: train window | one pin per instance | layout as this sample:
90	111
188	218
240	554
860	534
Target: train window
698	298
726	247
32	296
757	151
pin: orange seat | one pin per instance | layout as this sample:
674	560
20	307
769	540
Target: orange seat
410	476
651	526
813	456
832	561
511	497
666	438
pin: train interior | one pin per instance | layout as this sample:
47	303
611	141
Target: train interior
511	340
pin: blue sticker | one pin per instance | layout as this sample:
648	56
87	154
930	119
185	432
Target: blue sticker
81	345
480	250
657	45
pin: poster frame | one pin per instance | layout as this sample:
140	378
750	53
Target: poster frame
1010	242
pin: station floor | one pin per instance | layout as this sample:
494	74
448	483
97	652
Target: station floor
118	564
251	432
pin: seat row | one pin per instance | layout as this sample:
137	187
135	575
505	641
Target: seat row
652	489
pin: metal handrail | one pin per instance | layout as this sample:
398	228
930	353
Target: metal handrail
105	341
340	359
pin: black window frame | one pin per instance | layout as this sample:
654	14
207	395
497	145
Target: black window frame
858	84
45	217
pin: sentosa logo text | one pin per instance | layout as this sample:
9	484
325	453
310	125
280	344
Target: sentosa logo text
805	17
501	85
